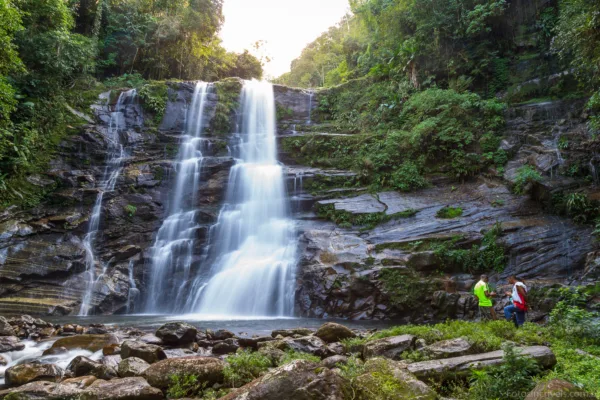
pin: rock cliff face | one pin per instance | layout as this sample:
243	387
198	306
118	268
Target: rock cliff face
341	270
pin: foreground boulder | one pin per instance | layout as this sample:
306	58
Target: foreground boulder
10	343
42	390
92	343
558	389
24	373
448	348
121	389
208	370
177	334
398	382
390	347
132	366
299	380
441	369
6	329
148	352
331	332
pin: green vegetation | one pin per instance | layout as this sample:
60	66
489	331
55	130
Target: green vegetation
187	385
405	288
245	366
53	52
525	175
346	219
130	210
292	355
228	92
449	212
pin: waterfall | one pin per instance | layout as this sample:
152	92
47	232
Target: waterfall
172	252
133	292
253	256
114	164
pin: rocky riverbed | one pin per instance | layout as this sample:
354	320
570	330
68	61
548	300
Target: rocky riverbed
42	360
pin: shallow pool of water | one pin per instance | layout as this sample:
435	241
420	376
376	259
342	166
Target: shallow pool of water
238	325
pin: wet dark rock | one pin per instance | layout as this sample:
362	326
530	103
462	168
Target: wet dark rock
135	388
208	370
147	352
10	343
55	351
80	382
177	333
331	332
221	334
132	366
24	373
227	346
298	380
81	366
111	349
390	347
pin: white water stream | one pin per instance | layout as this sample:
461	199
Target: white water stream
114	164
173	249
253	244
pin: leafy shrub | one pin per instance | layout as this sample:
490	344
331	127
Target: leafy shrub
408	177
244	367
154	96
570	321
511	380
449	212
184	386
525	175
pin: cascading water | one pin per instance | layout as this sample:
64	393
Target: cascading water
114	164
173	249
254	252
133	292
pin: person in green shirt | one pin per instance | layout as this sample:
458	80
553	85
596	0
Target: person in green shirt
483	293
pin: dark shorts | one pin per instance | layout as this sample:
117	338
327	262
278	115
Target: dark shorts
485	313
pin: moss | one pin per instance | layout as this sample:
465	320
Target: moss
449	212
228	95
154	96
365	220
407	289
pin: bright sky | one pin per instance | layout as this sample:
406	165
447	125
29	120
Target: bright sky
286	26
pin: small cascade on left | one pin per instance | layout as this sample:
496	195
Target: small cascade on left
173	250
115	157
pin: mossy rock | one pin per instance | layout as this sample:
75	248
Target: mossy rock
558	389
386	379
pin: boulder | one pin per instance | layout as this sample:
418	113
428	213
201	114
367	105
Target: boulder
227	346
400	384
440	369
5	328
221	334
10	343
81	366
132	366
92	343
390	347
336	348
331	332
80	382
292	332
298	380
448	348
333	361
18	375
111	350
177	333
208	370
121	389
273	354
147	352
308	344
54	351
42	390
558	389
151	339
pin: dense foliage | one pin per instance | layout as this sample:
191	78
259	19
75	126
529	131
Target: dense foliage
53	52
